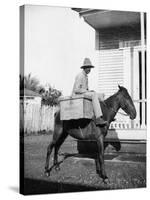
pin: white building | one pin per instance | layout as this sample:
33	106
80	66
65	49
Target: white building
30	97
120	49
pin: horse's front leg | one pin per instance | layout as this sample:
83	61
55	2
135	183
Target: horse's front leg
49	151
98	168
56	163
100	145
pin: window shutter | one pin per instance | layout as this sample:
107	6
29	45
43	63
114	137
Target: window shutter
110	71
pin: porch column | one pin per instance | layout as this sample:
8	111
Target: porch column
143	67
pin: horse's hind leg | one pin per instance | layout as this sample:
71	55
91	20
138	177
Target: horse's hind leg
100	144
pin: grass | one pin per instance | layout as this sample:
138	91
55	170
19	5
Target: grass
76	173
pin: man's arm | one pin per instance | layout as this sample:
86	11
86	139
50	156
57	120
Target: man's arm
79	86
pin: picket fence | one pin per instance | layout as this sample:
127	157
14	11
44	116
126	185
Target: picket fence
35	118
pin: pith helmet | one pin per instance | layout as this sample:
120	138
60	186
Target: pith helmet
87	64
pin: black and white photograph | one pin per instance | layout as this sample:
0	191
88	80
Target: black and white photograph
83	99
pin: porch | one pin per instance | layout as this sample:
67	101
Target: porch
126	129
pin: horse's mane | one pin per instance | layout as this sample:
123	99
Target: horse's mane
109	100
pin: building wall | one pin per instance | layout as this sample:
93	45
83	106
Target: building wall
111	38
115	57
118	63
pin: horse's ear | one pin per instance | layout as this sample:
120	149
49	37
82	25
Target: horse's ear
119	87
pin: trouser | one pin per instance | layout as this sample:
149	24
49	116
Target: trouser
96	104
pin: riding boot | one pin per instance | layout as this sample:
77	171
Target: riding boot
101	122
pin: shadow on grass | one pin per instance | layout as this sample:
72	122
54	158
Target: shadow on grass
14	189
35	186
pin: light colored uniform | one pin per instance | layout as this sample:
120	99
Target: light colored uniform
81	87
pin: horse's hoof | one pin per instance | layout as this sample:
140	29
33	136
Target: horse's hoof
57	168
106	180
47	174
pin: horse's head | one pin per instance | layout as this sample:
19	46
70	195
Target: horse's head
126	102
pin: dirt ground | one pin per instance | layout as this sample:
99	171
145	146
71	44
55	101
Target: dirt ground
77	174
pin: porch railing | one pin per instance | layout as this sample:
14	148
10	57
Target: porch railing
123	122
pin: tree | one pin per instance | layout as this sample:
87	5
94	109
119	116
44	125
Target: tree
30	83
50	97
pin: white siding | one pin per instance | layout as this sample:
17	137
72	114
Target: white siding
110	71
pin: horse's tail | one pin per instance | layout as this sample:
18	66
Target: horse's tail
55	114
57	121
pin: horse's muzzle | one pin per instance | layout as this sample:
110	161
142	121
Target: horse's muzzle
133	115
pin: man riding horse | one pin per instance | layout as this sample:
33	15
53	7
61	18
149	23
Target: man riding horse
81	87
87	129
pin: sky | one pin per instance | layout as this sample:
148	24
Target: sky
56	42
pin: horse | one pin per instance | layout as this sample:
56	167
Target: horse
86	129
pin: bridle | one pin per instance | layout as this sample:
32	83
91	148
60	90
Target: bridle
123	114
115	111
